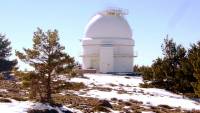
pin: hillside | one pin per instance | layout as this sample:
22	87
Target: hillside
122	92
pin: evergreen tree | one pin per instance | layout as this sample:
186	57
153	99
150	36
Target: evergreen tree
5	52
176	71
173	56
48	59
159	73
146	73
194	58
173	72
169	52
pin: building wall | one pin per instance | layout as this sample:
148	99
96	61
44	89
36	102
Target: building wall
117	53
91	57
123	64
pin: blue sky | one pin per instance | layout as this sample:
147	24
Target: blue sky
150	21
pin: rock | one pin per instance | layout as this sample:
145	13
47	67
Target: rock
104	103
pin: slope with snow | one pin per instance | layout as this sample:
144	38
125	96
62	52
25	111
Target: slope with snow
130	85
120	87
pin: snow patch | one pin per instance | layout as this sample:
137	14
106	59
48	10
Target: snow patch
15	107
3	90
24	106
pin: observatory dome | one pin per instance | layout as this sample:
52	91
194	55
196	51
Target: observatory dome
108	45
108	25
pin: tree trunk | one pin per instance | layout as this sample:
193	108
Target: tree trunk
49	99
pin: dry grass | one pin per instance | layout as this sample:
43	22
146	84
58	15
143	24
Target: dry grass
85	104
14	90
193	111
106	89
70	86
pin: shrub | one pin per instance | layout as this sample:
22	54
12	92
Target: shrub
114	99
26	84
194	111
137	111
101	108
19	98
127	103
1	76
5	100
145	85
103	105
42	111
165	106
71	86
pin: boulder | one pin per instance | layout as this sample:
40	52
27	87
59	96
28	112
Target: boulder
104	103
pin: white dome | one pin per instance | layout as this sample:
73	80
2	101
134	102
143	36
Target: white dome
108	44
108	26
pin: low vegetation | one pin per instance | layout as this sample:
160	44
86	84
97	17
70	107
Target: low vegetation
5	100
69	86
42	111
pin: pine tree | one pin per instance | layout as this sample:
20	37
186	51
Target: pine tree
159	73
173	54
5	52
48	59
173	72
194	58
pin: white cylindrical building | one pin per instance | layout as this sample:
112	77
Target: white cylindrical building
108	44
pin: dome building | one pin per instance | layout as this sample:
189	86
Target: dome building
108	44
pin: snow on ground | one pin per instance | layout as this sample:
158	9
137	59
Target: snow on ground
147	112
41	106
149	96
3	90
15	107
23	106
105	79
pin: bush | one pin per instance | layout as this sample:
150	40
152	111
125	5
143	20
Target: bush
1	76
101	108
42	111
128	103
19	98
71	86
146	85
5	100
26	83
103	105
114	99
165	106
194	111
